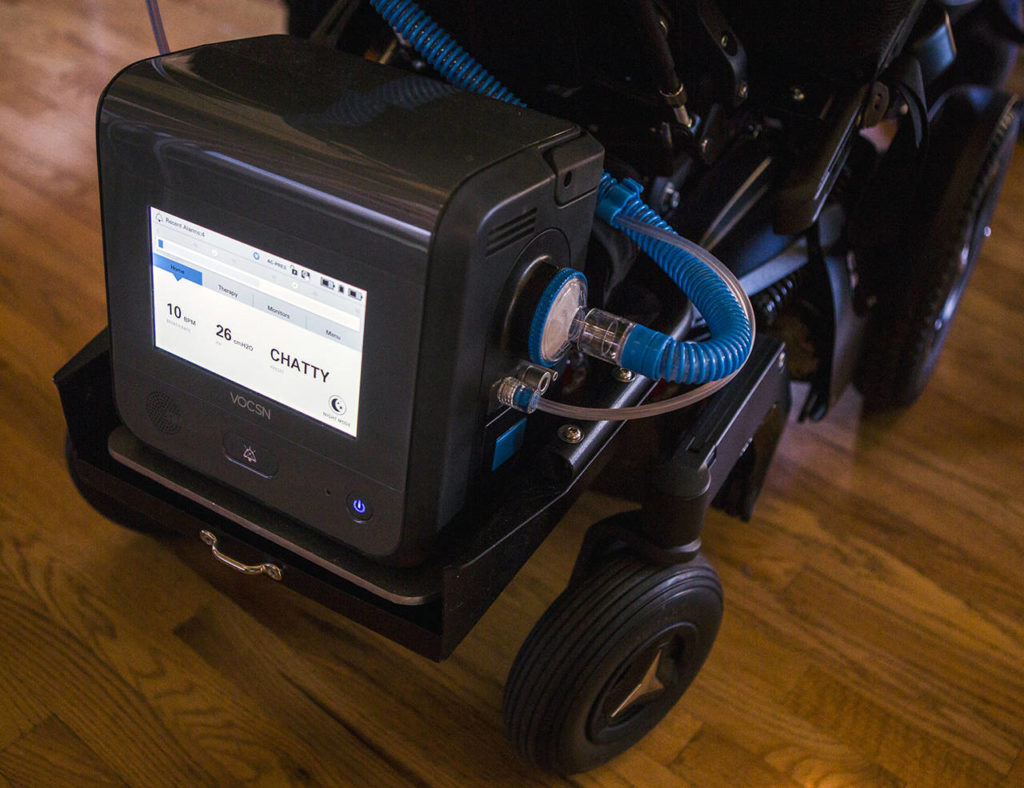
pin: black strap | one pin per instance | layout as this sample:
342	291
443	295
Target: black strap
880	216
905	79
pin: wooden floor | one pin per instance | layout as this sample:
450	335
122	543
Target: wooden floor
874	625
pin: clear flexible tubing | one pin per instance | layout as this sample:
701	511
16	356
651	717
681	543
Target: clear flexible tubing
459	68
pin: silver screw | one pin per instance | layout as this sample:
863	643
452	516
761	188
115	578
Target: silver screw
782	360
797	94
741	91
624	375
570	433
670	197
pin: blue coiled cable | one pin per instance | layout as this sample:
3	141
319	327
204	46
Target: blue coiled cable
647	352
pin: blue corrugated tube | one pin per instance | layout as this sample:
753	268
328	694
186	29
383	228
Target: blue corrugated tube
653	353
647	352
440	50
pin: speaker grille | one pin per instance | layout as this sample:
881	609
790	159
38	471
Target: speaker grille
163	412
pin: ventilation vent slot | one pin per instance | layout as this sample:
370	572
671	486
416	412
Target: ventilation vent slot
511	231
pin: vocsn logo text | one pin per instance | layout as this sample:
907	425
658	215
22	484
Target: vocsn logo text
250	405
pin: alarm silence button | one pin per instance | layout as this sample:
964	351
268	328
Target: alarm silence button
250	454
359	508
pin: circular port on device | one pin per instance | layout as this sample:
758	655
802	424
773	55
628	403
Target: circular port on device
551	330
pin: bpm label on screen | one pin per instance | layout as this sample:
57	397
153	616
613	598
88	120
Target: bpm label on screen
281	329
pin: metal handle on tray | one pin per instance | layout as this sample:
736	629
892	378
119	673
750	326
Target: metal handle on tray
273	571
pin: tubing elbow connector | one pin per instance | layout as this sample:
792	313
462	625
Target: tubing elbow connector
603	335
561	321
614	196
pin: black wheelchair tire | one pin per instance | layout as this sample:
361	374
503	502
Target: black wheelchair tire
970	148
624	624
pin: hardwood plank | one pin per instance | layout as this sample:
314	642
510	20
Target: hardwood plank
178	719
757	721
636	768
1016	775
37	284
315	705
79	531
90	696
22	711
78	243
897	744
909	675
394	699
52	755
712	758
921	516
901	656
27	349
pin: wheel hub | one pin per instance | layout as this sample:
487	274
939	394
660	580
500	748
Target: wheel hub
649	686
655	675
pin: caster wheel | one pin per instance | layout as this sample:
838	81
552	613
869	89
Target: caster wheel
974	131
609	659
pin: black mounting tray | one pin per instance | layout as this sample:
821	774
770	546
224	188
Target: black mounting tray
432	607
429	608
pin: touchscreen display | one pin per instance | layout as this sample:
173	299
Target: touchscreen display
284	330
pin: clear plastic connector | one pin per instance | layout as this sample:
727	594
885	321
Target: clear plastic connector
602	335
536	377
513	393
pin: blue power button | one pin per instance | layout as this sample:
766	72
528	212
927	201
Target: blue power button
359	508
